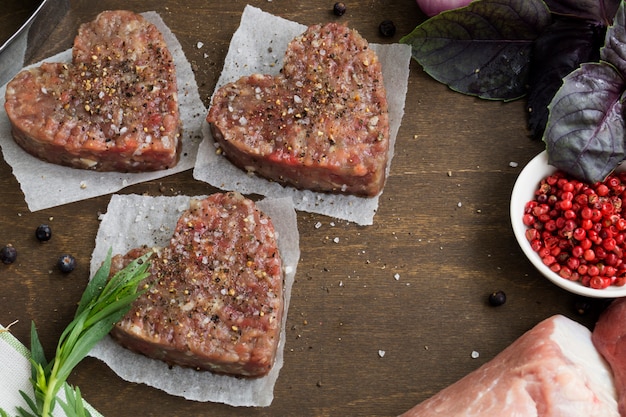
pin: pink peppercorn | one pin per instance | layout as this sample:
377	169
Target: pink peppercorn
578	229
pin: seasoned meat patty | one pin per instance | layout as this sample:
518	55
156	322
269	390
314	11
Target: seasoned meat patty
215	297
321	124
114	108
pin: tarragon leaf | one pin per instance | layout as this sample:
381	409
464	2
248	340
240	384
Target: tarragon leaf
585	131
36	350
95	285
481	49
31	404
74	406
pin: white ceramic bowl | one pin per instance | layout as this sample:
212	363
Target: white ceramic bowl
523	191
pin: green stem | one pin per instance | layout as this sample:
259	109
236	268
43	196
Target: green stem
52	389
50	396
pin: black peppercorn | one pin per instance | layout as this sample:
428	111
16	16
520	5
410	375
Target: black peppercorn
43	233
339	9
66	263
8	254
582	306
497	298
387	28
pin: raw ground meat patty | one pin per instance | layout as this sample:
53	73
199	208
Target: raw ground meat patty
114	108
216	296
321	124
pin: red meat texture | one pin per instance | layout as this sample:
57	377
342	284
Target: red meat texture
321	124
113	108
215	295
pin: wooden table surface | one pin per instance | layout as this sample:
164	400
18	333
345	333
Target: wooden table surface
412	285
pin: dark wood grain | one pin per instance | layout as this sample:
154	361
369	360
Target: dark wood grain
443	226
13	14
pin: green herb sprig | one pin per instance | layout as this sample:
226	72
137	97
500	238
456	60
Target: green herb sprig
104	302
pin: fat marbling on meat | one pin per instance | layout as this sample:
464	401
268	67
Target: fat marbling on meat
553	370
609	337
113	108
215	296
322	124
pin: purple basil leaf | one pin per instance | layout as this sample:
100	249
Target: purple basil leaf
614	50
600	11
585	131
559	50
482	49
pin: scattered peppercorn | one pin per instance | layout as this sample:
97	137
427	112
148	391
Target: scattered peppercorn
339	9
66	263
8	254
387	28
582	306
43	233
497	298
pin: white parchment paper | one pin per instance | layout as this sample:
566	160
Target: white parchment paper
258	46
133	220
48	185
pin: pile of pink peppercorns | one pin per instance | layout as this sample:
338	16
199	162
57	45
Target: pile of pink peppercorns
578	229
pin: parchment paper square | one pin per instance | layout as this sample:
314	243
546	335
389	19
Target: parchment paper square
258	46
132	221
48	185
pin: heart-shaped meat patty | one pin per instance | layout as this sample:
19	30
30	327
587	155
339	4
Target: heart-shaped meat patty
114	108
216	296
321	124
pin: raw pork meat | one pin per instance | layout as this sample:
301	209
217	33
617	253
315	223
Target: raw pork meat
609	337
553	370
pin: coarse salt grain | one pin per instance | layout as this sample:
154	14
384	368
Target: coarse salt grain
513	164
381	353
475	354
396	277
